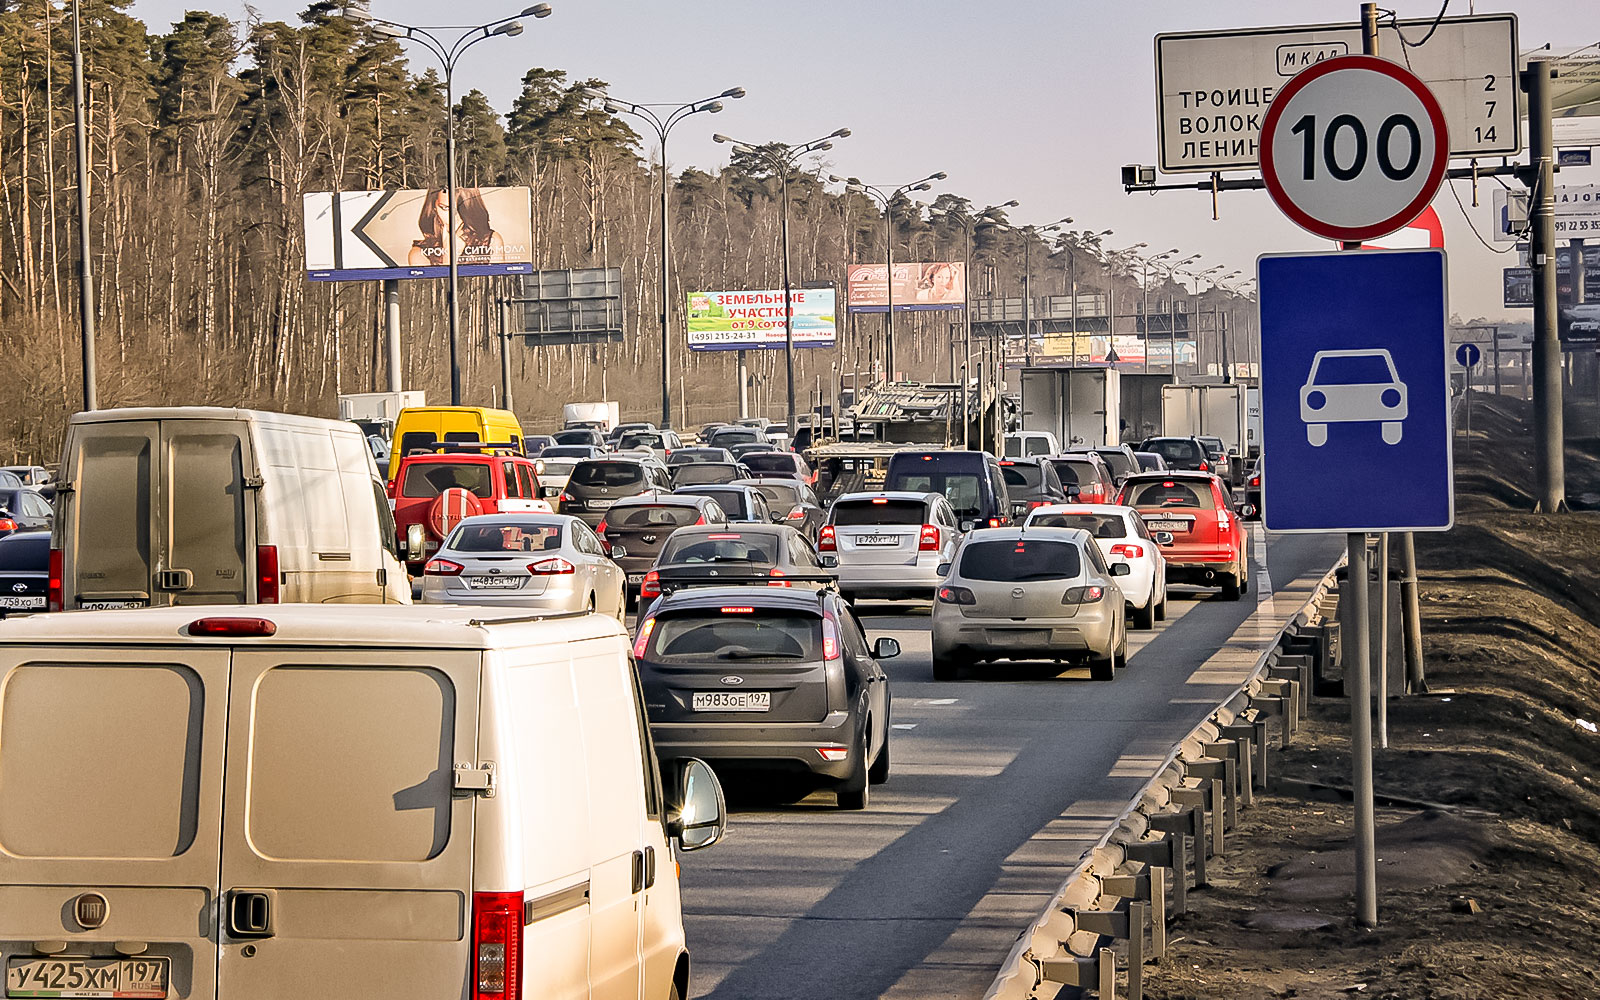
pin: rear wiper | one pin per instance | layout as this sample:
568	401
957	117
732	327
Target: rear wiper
751	654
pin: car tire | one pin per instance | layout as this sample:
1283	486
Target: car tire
1161	609
948	667
1230	587
1122	647
1103	668
854	793
1145	617
879	772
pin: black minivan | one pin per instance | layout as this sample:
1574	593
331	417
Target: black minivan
970	480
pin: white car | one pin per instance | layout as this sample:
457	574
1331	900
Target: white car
1352	387
1025	444
1121	536
548	562
891	544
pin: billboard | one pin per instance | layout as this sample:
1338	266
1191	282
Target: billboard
939	285
1577	310
1577	213
367	235
1094	349
739	321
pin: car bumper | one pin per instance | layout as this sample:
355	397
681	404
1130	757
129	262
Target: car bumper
558	594
783	745
919	579
1091	632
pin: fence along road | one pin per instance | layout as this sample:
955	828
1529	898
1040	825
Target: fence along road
993	795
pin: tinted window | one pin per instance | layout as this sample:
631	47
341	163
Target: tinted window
1080	472
433	478
1098	525
721	547
964	490
529	536
1176	451
639	441
723	439
690	456
663	516
579	436
1172	493
558	467
1148	460
11	500
754	634
780	496
567	451
703	472
418	441
770	461
1014	560
884	511
25	551
1118	461
1025	476
732	501
607	474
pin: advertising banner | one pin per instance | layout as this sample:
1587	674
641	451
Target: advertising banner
367	235
739	321
1577	309
1577	213
941	285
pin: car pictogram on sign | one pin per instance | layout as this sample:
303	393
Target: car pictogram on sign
1359	386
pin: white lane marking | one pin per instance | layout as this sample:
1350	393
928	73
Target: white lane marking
937	701
904	725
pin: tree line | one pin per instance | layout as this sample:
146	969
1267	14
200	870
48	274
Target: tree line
205	136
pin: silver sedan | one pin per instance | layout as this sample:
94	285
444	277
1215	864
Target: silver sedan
550	562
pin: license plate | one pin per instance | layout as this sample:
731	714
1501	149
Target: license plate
1020	637
1168	525
877	539
110	605
634	579
88	977
493	582
600	504
29	603
732	701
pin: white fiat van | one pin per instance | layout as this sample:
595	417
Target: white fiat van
205	505
337	801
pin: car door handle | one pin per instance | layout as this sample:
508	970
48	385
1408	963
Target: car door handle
644	869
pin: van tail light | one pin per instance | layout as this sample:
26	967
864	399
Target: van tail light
497	945
442	567
828	540
54	600
389	488
267	574
650	586
994	522
928	539
1082	595
776	572
1255	480
830	638
233	627
1128	551
554	566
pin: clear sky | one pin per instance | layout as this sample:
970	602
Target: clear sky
1037	100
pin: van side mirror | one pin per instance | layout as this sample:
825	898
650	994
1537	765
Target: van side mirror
1120	569
886	648
966	525
1163	538
416	543
699	817
1247	511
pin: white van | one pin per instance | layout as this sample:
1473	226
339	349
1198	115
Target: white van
205	505
336	801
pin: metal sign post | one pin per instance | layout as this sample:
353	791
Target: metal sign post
1467	356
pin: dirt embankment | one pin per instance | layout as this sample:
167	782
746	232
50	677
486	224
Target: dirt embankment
1494	895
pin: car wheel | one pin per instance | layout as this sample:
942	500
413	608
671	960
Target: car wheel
1145	617
591	604
854	792
1103	668
1317	434
1230	587
1161	609
879	773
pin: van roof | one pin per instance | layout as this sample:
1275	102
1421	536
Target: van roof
126	413
350	625
482	410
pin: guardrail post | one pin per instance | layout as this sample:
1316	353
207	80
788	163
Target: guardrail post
1138	915
1158	911
1200	798
1218	773
1108	974
1235	751
1164	853
1247	737
1098	971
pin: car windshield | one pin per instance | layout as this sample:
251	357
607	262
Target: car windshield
704	472
523	536
1177	451
962	489
1351	369
720	547
676	515
732	436
1117	461
1172	493
1025	476
608	474
736	632
881	510
732	501
429	479
1098	525
1018	560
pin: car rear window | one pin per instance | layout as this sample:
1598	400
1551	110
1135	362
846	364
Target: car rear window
779	495
1149	460
881	511
732	501
964	490
1118	462
723	439
529	536
738	632
1025	476
1017	560
770	461
720	547
609	474
577	436
559	467
1175	452
1075	471
692	456
430	479
25	551
639	441
1172	493
1098	525
653	516
703	472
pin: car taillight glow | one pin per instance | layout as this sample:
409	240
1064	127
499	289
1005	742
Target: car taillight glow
698	521
775	571
54	599
797	514
600	529
1082	595
1205	466
442	567
833	753
565	497
643	641
928	539
830	639
956	595
650	586
743	610
6	524
553	566
828	539
497	945
880	499
1255	480
994	522
1128	551
267	574
233	627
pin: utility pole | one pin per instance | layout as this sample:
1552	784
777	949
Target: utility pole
85	255
1549	434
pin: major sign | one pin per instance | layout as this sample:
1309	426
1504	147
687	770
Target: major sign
1354	393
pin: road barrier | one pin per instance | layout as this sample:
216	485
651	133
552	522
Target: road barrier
1126	885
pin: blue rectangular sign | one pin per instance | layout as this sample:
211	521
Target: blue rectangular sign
1355	398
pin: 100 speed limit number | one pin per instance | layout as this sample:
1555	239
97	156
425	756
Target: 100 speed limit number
1354	148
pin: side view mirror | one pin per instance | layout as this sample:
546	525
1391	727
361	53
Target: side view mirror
966	525
943	569
1120	569
416	543
828	560
549	492
1163	538
699	817
886	648
1247	510
1074	490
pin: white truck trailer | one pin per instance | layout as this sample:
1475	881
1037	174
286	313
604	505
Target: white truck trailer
1080	406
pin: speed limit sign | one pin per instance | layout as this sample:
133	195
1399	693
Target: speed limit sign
1354	148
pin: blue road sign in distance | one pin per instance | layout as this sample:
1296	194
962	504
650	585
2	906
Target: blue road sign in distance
1467	355
1355	394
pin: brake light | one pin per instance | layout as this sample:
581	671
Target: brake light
833	754
267	574
828	539
956	595
650	586
389	488
798	514
497	944
1128	551
1205	466
1255	480
442	567
6	524
565	497
725	536
830	639
1035	504
643	641
233	627
600	529
54	600
554	566
994	522
880	499
928	539
775	571
1082	595
738	611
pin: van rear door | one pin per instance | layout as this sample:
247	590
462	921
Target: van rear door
205	534
347	854
107	521
111	775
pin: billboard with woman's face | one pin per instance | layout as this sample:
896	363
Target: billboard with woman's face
940	285
363	235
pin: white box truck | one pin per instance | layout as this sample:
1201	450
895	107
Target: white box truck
1204	411
379	407
1080	406
1140	394
605	416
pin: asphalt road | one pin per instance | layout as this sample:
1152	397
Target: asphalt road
997	786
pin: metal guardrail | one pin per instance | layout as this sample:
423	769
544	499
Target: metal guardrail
1120	889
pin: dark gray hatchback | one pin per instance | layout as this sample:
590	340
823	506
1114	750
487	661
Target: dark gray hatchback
636	528
597	483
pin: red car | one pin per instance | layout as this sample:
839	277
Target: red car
439	491
1210	543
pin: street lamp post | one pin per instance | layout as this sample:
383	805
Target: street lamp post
1144	307
85	257
783	158
1111	293
1172	319
1070	244
662	124
853	184
449	55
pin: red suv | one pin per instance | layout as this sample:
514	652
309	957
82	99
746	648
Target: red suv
438	491
1210	543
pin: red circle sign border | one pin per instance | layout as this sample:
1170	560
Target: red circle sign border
1430	188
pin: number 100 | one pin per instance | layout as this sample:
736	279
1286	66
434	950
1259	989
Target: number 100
1307	127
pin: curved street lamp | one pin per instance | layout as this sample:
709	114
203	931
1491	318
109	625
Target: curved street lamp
662	124
449	54
784	158
887	199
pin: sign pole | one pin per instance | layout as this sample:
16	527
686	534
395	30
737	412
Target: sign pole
1549	461
391	330
505	355
744	385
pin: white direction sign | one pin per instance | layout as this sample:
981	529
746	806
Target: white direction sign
1213	87
1353	148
